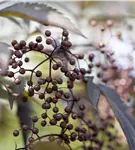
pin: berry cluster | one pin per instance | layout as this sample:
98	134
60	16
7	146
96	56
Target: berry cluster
52	90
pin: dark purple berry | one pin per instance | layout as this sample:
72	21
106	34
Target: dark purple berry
37	87
10	74
46	106
48	41
38	73
35	130
16	47
19	63
14	42
65	33
72	62
22	43
44	115
55	109
26	59
16	133
38	39
53	122
22	71
48	33
41	96
43	123
34	118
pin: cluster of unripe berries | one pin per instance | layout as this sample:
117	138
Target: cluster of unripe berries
52	90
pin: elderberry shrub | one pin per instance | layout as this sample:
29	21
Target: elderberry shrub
53	90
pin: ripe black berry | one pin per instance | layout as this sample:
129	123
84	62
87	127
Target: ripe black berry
67	109
43	123
10	74
55	67
65	33
54	82
31	91
26	59
80	56
49	90
58	116
14	42
48	41
18	54
16	133
19	63
40	47
48	99
16	47
54	100
55	109
41	96
38	39
37	87
63	124
34	118
72	62
63	69
38	73
44	115
48	79
22	71
22	43
35	130
46	106
31	45
82	70
48	33
29	83
58	95
24	127
53	122
14	65
54	87
69	126
91	57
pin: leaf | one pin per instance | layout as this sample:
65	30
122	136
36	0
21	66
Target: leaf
14	91
11	99
24	111
40	13
93	92
5	55
15	21
120	109
47	145
17	89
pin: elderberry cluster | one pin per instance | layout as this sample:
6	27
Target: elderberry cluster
52	90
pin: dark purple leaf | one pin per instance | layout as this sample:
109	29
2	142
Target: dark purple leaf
24	111
40	13
93	92
14	91
11	99
125	118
